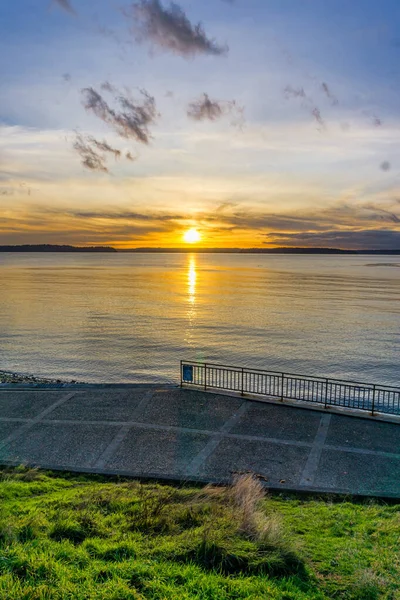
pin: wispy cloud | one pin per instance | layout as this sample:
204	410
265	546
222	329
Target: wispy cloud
169	28
325	88
206	109
307	102
133	118
65	5
94	152
383	213
124	215
106	86
91	159
105	147
316	113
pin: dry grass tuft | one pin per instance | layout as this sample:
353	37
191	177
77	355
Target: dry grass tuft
247	493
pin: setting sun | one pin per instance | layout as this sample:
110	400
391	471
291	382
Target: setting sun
191	236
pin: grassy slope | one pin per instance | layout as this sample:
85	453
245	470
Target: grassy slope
79	537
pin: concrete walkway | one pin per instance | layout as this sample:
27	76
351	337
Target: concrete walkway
166	432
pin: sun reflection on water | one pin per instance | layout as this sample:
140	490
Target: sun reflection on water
192	278
191	299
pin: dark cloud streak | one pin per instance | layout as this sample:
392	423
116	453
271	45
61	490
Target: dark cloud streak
65	5
134	119
206	109
170	29
91	159
105	147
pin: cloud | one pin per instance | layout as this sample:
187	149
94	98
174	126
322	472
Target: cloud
90	158
307	102
94	152
370	239
383	214
291	92
66	5
105	147
375	119
170	29
316	113
206	109
106	86
132	121
124	215
325	88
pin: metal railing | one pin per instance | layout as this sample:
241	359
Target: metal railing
288	386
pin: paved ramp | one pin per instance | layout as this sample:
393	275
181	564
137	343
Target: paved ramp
167	432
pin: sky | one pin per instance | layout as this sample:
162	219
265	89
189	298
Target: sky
259	123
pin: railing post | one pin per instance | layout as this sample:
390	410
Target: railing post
326	392
181	376
373	401
282	381
205	376
242	392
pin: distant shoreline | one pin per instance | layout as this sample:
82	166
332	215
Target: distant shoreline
190	250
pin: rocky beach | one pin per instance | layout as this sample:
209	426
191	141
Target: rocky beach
11	377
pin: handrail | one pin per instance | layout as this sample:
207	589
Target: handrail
369	397
255	370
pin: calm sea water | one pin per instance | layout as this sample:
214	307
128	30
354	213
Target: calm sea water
132	317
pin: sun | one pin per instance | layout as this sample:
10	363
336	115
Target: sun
191	236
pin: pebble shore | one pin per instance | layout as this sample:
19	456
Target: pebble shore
10	377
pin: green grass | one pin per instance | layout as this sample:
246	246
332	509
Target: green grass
76	537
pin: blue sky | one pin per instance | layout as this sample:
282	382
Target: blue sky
308	154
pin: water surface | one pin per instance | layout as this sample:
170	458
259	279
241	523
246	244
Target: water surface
132	317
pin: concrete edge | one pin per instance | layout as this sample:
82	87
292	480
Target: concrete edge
192	479
346	412
31	387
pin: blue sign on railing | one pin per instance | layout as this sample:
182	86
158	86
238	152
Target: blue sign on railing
187	373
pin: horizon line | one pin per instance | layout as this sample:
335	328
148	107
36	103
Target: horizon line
188	249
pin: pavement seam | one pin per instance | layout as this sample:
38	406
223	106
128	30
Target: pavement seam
14	420
364	451
122	433
29	424
111	448
194	466
143	403
210	432
312	464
